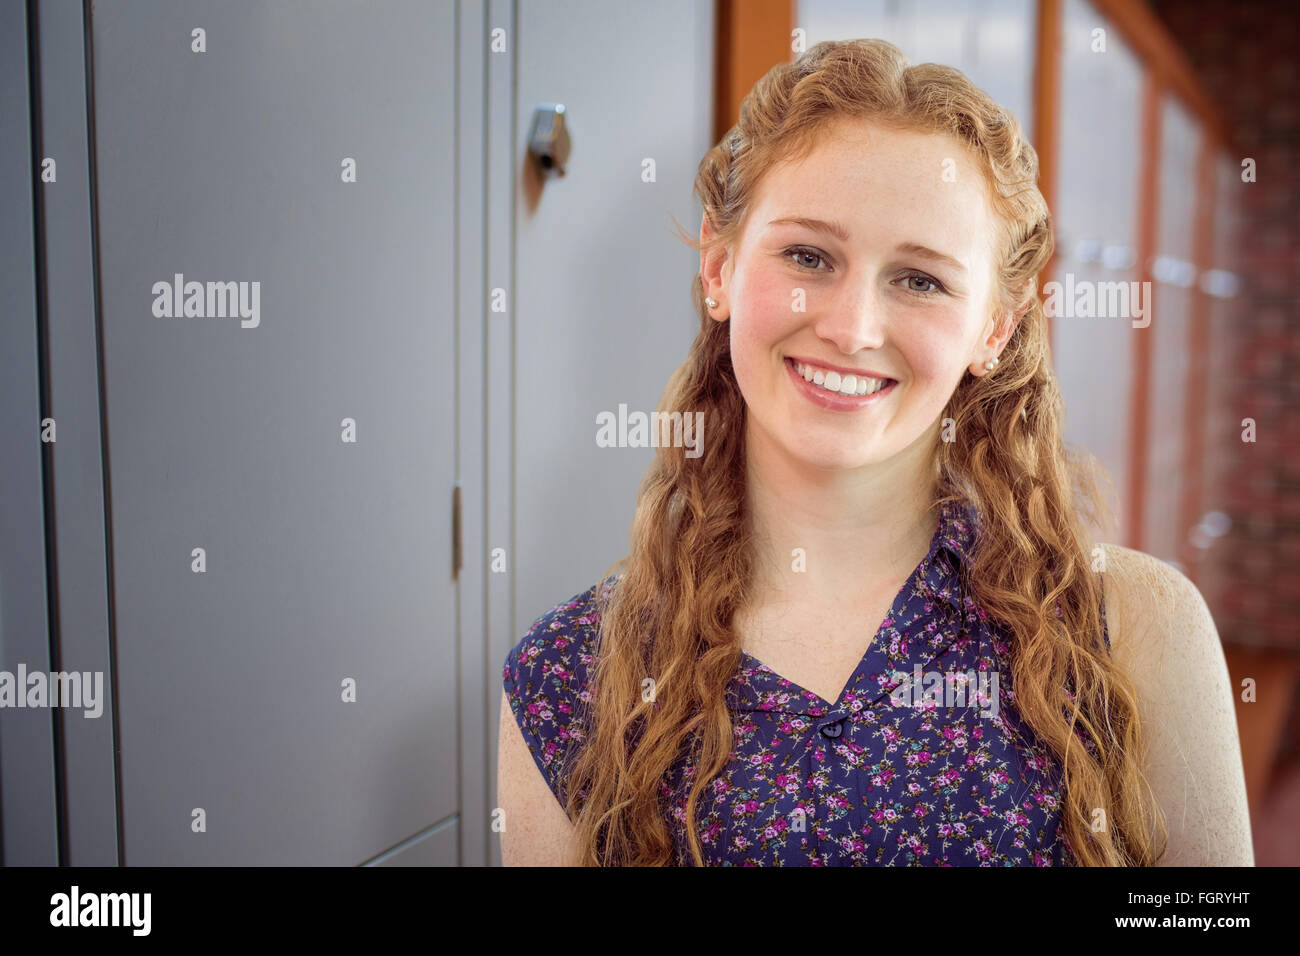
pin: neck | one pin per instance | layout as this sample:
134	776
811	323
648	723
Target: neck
860	531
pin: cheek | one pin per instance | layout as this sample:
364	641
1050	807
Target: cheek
761	319
935	353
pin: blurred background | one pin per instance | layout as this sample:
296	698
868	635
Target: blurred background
296	541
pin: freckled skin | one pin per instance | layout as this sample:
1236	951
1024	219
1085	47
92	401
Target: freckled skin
863	303
1163	636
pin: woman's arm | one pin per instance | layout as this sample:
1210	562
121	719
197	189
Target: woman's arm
537	830
1163	636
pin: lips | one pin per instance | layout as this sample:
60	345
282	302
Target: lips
831	381
836	401
843	370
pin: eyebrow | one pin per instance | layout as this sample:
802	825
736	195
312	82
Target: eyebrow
839	232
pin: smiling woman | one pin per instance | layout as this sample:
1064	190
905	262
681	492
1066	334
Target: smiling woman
885	492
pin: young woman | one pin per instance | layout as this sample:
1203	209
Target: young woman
866	625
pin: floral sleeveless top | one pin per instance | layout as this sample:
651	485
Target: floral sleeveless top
923	761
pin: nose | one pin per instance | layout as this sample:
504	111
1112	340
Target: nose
854	320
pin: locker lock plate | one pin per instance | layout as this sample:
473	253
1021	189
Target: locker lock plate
548	140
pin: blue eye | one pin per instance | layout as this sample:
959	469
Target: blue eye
924	278
806	252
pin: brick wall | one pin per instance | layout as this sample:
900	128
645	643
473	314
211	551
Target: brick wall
1247	55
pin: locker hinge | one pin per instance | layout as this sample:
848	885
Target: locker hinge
455	531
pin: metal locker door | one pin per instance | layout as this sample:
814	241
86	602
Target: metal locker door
299	429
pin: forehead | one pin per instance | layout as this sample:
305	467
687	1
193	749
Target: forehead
896	185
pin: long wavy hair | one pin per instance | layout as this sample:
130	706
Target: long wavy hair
689	567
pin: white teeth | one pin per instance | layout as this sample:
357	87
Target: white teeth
835	382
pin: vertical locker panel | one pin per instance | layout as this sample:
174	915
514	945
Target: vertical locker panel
1096	234
478	700
488	380
75	482
327	561
604	312
28	813
1170	322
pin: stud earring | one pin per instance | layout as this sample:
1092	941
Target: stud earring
710	302
991	364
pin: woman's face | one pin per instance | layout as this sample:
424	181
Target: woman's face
902	294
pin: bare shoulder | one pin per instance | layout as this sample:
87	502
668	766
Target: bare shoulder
537	831
1163	636
1154	614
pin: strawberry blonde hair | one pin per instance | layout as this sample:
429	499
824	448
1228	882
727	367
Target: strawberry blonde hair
689	566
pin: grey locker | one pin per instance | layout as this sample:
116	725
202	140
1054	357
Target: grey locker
220	172
326	559
28	784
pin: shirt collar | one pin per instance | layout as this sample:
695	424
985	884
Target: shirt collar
955	537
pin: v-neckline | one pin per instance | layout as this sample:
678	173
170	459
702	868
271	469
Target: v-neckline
873	648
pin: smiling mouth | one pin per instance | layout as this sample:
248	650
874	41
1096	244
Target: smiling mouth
835	383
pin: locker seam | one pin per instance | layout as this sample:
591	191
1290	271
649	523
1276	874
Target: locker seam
92	175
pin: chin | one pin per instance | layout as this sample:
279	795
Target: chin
843	458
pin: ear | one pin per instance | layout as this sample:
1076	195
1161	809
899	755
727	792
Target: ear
997	332
713	274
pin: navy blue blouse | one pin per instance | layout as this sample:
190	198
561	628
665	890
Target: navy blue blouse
922	761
